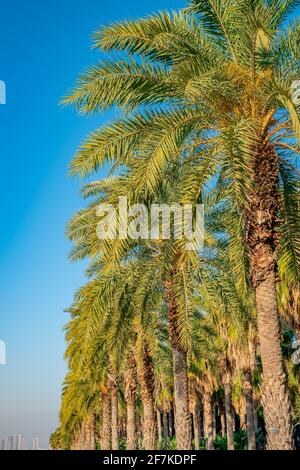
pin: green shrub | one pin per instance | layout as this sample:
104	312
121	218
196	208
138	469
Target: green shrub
220	443
240	440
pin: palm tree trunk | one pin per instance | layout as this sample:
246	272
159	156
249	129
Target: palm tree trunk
262	237
89	433
214	420
106	421
93	433
183	425
75	444
147	383
241	412
196	421
201	419
181	401
229	415
114	411
249	409
223	426
130	397
243	417
222	417
171	422
82	436
166	429
255	410
275	399
139	427
208	421
160	429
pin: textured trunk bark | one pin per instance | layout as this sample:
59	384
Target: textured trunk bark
130	398
106	421
80	438
249	409
181	401
122	427
241	423
139	427
214	418
171	423
255	410
131	437
275	399
243	419
149	425
75	444
183	424
160	429
229	415
262	236
84	437
114	412
222	417
196	423
147	383
89	434
93	433
166	429
201	419
208	421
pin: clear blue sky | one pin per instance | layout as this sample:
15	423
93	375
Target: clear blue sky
43	47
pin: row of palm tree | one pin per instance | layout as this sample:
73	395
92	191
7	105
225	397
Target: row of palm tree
175	347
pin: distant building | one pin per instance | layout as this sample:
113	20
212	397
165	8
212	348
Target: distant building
10	443
20	442
35	443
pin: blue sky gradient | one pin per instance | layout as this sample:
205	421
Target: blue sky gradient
43	47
